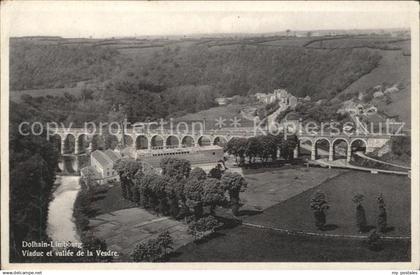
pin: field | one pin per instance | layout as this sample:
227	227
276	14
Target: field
209	116
245	243
393	68
16	95
124	229
303	65
109	201
268	187
294	214
374	42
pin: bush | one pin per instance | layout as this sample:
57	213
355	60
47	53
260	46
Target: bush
92	243
153	250
360	213
374	241
199	228
382	217
319	206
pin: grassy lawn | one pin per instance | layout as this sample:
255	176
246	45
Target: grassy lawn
109	201
209	116
269	186
124	229
294	213
244	244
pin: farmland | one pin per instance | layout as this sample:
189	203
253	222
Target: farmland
192	71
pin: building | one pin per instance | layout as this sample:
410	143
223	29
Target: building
196	155
103	162
223	100
284	99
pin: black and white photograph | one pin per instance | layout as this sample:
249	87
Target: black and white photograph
210	132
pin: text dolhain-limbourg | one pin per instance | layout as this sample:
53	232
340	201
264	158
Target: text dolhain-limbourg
51	244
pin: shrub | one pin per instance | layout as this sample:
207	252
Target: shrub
319	206
374	241
92	243
382	217
199	228
153	250
360	212
165	242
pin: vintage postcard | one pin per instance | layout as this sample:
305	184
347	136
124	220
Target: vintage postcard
209	135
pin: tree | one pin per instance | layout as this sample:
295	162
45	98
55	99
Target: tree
382	217
136	194
234	183
88	177
288	146
198	173
176	168
253	148
216	172
158	190
213	194
165	242
92	243
193	191
268	147
319	206
128	170
174	195
360	213
237	147
145	187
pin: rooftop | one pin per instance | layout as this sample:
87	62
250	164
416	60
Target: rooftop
114	156
105	158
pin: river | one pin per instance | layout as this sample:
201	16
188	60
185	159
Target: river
61	226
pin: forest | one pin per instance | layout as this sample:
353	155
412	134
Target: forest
174	81
33	163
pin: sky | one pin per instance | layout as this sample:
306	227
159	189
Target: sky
119	19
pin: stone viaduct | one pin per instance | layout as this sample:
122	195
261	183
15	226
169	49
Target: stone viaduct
78	140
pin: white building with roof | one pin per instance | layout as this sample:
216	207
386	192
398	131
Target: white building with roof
103	162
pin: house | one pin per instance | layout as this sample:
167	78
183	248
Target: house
378	94
103	162
284	99
223	100
391	90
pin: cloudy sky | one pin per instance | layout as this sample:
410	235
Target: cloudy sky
113	19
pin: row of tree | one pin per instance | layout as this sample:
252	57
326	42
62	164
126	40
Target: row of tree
264	148
319	205
179	191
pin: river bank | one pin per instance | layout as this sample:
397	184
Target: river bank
60	225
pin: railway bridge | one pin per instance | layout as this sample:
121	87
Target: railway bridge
80	140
